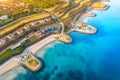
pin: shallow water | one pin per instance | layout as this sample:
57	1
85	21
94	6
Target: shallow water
88	57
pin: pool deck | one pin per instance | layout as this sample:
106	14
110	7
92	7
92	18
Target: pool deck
14	62
84	28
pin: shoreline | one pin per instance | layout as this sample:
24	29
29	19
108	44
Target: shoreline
12	63
37	46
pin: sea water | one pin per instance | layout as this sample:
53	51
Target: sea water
88	57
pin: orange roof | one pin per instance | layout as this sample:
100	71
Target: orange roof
18	30
10	35
38	32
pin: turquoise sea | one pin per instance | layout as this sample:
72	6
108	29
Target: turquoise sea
88	57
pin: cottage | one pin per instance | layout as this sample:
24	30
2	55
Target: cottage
38	33
32	24
19	31
26	27
11	36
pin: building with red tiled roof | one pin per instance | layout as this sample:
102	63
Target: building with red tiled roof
38	33
20	31
11	36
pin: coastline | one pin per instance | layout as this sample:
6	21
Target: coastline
34	48
12	63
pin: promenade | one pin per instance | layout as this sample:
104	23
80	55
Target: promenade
12	63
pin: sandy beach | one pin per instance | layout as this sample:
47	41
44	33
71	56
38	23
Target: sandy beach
12	63
8	66
34	48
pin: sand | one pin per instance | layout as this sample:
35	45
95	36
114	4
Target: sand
12	63
34	48
8	66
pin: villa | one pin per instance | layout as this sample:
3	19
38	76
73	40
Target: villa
41	21
32	24
38	22
38	33
26	27
11	36
20	31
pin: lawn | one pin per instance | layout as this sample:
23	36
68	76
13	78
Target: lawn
12	52
5	55
33	62
33	38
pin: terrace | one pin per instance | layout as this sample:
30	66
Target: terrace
64	38
29	61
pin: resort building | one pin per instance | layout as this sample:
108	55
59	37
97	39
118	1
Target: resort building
50	29
26	27
20	31
11	36
32	23
38	33
41	21
85	28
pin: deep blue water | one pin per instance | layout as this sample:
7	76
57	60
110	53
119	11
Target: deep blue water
88	57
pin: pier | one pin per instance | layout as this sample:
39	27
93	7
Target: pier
64	38
28	60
